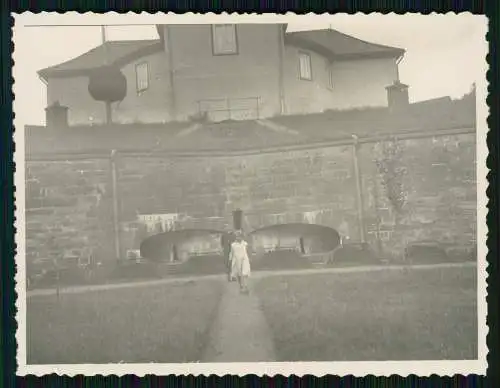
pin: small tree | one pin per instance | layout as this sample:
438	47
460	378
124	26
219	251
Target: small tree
391	168
107	84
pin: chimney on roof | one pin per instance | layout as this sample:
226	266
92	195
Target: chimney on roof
397	96
56	116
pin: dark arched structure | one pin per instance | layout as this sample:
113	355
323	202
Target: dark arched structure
305	238
179	245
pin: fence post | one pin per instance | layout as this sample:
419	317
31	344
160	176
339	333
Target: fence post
116	225
357	174
281	81
171	72
377	213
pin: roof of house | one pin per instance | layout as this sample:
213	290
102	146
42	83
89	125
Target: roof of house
257	136
330	43
335	44
117	53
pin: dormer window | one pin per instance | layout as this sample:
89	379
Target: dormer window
224	39
305	71
142	76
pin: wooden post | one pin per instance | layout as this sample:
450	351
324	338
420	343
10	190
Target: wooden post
359	194
281	82
114	184
109	113
171	72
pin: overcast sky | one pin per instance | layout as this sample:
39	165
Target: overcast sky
445	53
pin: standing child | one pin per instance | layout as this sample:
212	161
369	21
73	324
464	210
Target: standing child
240	262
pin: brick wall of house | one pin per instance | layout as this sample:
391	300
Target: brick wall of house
72	199
355	83
241	86
362	83
306	96
243	78
73	93
149	106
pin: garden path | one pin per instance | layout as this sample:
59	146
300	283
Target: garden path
240	332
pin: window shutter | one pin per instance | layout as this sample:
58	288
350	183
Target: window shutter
142	76
305	66
224	39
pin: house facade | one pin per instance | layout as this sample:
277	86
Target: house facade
228	72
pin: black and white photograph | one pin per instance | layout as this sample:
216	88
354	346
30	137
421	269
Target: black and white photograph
250	194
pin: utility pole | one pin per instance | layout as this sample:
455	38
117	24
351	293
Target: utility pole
105	62
116	223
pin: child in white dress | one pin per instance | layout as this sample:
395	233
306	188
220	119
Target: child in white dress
240	262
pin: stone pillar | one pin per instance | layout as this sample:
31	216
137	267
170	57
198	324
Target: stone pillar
397	96
56	116
238	219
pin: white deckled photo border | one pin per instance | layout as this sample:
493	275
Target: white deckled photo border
380	368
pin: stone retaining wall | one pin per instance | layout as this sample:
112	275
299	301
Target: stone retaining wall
71	198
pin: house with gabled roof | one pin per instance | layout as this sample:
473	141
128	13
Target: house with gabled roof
228	72
285	126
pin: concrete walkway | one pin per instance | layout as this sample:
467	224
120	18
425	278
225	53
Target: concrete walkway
240	332
255	275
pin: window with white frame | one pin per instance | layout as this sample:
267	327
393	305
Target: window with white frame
331	82
305	71
224	40
142	76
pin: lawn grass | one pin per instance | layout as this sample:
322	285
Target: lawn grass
386	315
157	323
279	260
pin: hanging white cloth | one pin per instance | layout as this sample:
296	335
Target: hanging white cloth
310	217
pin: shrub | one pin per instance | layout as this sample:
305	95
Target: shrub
426	252
354	253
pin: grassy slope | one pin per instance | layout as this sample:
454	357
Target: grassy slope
427	314
167	323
